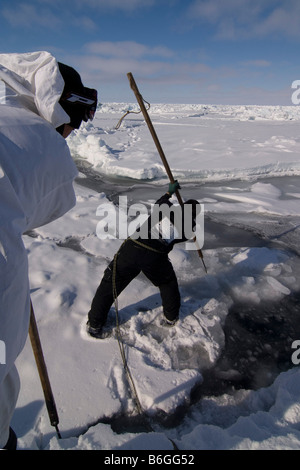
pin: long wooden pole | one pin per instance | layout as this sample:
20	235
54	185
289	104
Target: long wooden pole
42	370
141	103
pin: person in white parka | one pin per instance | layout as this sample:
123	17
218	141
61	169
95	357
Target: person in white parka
41	102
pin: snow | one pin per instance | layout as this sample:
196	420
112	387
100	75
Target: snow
243	164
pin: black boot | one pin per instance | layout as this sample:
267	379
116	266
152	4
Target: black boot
12	441
168	323
100	332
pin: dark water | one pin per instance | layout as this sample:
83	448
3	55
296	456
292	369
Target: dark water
258	347
258	339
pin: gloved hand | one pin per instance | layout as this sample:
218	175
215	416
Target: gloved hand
173	187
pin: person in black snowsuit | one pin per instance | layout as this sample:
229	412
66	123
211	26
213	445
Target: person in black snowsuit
150	256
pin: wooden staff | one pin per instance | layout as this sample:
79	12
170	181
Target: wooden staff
42	370
141	103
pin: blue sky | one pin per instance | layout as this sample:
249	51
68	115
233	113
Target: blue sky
179	51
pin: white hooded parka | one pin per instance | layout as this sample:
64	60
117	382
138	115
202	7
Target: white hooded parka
36	187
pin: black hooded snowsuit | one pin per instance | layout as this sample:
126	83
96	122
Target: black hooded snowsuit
149	257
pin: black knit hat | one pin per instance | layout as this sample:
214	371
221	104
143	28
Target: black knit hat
79	102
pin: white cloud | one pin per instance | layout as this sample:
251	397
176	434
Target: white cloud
236	19
111	61
123	4
217	10
114	68
28	15
284	20
52	14
84	22
127	49
33	15
257	63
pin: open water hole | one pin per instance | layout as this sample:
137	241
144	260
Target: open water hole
258	339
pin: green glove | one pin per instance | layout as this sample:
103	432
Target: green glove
173	187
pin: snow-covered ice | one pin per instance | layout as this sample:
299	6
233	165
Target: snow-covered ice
243	164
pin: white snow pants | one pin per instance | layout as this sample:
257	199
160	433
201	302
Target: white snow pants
9	391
